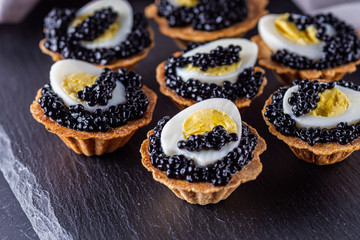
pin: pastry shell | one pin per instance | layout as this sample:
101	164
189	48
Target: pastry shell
205	193
182	103
95	143
185	35
128	63
320	153
286	75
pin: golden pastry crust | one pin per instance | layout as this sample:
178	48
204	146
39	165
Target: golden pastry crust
95	143
320	153
286	75
256	11
128	63
206	193
183	103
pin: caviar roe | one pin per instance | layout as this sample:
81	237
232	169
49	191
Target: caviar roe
219	173
217	138
247	85
343	133
94	26
207	15
339	49
77	118
68	44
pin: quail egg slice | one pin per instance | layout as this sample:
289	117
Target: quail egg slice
226	114
85	72
348	112
186	3
278	40
248	56
124	21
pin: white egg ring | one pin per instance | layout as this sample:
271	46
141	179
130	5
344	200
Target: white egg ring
248	57
172	132
174	3
271	36
351	115
125	20
64	68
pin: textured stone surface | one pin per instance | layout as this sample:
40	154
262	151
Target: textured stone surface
114	197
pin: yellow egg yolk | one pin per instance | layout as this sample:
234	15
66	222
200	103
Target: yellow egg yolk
205	120
291	32
332	102
187	3
216	71
108	34
76	82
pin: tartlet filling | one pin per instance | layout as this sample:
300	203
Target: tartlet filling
309	97
96	27
218	174
77	118
204	15
220	59
340	47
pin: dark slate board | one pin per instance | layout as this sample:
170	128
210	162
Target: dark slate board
114	197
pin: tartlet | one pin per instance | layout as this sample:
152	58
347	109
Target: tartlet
186	86
65	33
325	134
330	64
203	179
186	33
105	126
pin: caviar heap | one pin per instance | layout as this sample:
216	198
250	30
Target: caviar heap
206	15
215	139
219	173
68	43
77	118
303	101
341	48
247	85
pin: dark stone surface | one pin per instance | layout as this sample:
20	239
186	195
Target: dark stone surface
114	197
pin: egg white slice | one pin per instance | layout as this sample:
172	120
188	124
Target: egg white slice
172	132
64	68
125	20
271	36
351	115
248	56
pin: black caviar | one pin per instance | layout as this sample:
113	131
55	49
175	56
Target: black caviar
219	173
247	85
94	26
343	134
77	118
101	91
68	43
217	138
341	48
306	97
207	15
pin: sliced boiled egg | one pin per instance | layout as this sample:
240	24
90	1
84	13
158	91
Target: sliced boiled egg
69	76
220	74
278	33
117	32
198	119
339	104
186	3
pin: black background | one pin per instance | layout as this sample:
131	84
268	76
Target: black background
114	197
